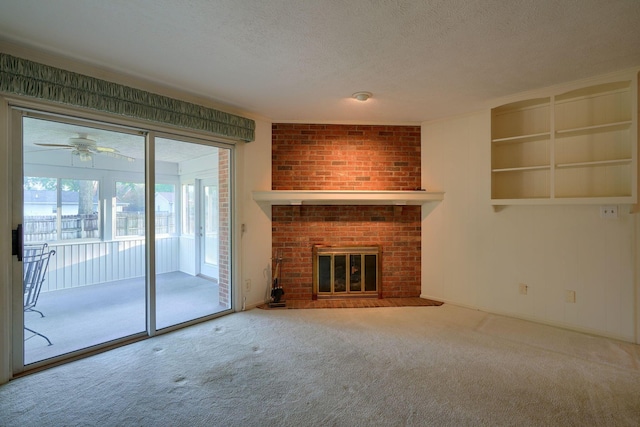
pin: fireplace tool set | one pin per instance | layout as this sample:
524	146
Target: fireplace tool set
276	290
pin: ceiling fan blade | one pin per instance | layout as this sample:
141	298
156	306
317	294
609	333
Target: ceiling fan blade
81	148
44	150
105	149
54	145
117	156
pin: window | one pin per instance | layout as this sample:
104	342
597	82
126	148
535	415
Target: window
58	209
188	209
165	209
129	208
130	203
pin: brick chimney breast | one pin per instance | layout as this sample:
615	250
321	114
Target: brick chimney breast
347	157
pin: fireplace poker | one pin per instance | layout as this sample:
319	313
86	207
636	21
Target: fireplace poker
276	290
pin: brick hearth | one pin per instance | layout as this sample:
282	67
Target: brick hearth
356	303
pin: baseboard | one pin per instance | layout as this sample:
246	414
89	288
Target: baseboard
533	319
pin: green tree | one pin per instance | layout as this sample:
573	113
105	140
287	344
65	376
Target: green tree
40	183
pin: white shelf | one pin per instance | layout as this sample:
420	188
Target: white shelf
591	92
588	136
521	138
605	126
335	197
524	168
595	163
616	200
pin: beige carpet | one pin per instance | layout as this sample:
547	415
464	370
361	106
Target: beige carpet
405	366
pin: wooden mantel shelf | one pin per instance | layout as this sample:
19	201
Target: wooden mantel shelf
335	197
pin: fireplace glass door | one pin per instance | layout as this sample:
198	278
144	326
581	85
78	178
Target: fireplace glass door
346	271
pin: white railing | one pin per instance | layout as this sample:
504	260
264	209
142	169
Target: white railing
88	263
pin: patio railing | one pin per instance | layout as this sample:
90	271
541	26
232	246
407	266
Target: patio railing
88	263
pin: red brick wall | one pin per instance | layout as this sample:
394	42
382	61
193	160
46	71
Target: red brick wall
347	157
224	251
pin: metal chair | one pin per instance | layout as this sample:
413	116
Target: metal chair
35	265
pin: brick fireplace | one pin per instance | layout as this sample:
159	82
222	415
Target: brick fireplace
347	157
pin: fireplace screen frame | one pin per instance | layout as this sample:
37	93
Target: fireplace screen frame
335	278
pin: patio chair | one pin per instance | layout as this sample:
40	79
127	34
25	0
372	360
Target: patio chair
35	265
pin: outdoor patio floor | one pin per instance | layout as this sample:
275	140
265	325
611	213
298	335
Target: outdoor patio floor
82	317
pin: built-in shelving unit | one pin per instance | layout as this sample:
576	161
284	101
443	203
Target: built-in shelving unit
520	155
578	146
335	197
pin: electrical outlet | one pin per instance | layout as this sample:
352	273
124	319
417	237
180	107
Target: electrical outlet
523	288
570	296
247	285
609	212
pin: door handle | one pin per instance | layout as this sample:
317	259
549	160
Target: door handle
17	244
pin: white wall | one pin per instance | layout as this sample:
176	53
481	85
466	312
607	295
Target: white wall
476	257
255	241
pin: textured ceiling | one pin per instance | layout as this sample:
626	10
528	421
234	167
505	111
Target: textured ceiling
300	60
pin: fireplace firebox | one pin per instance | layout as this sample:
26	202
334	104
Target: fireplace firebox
346	271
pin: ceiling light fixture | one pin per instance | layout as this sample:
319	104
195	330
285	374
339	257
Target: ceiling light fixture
85	156
362	96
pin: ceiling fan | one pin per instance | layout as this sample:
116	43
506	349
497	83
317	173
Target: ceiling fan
85	148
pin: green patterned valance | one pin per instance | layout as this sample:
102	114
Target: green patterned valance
28	78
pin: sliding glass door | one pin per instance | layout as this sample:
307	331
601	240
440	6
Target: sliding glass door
195	287
84	258
87	217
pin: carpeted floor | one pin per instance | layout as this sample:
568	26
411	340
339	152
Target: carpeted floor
388	366
355	303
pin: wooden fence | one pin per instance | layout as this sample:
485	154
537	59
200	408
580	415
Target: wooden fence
133	223
44	228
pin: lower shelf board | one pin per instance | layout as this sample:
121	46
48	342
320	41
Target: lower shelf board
622	200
